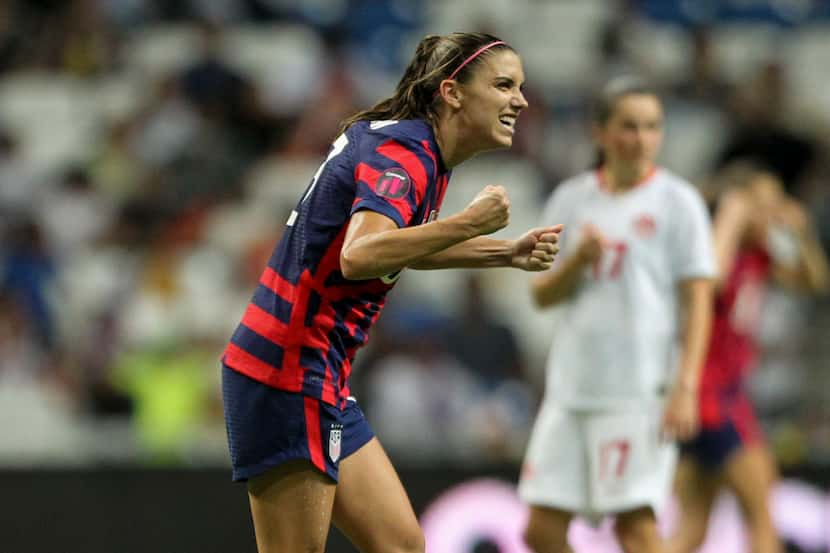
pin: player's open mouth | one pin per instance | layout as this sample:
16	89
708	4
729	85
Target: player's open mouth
508	121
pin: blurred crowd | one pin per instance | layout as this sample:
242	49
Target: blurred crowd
151	151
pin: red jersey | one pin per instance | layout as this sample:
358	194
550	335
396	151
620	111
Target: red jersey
733	348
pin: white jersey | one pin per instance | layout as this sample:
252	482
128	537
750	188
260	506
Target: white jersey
615	340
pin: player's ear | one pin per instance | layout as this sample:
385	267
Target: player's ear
450	91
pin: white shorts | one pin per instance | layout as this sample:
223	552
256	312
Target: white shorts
594	463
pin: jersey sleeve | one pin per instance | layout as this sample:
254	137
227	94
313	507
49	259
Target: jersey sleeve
390	178
692	230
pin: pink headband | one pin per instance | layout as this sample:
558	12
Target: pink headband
474	56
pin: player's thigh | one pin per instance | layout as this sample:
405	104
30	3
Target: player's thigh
636	531
695	486
547	529
291	508
696	490
748	474
371	506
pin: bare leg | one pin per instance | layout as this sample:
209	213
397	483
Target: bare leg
291	508
637	531
749	473
547	530
371	506
696	491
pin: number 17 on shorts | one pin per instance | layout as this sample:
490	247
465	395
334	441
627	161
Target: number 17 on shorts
629	467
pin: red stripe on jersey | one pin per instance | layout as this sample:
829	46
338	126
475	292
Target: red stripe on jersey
318	335
441	182
352	326
265	324
366	173
274	282
324	322
743	417
312	428
431	154
442	191
271	328
410	163
242	361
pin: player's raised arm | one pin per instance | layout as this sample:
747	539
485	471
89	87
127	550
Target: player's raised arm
533	251
374	246
809	271
552	287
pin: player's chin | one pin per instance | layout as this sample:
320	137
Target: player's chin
502	139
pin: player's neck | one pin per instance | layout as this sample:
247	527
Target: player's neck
447	141
621	177
454	147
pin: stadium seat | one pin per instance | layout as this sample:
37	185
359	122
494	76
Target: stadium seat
56	117
159	50
739	48
284	60
807	55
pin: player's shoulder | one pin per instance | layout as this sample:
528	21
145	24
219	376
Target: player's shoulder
674	182
576	186
412	132
677	186
585	179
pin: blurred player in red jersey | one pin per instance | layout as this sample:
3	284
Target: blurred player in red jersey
294	432
760	234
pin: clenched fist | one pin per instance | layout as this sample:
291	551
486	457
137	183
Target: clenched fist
489	211
536	249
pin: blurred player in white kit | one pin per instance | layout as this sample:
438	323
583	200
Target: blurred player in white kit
632	288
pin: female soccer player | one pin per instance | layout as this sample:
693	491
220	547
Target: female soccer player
760	234
294	432
635	271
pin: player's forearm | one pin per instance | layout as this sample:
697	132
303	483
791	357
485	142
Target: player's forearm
810	272
698	301
552	287
815	272
377	254
728	227
478	252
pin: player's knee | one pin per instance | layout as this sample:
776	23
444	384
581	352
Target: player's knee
690	539
542	540
637	534
633	540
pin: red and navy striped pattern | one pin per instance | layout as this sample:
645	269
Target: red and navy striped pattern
733	347
305	322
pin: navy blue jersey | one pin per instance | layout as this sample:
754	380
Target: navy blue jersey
305	321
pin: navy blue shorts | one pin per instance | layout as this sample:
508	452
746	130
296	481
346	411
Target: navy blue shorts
728	423
267	427
711	447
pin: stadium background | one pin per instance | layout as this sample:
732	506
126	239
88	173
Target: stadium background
150	151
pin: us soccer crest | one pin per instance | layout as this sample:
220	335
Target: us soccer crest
334	443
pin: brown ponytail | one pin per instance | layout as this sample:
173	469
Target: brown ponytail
435	59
